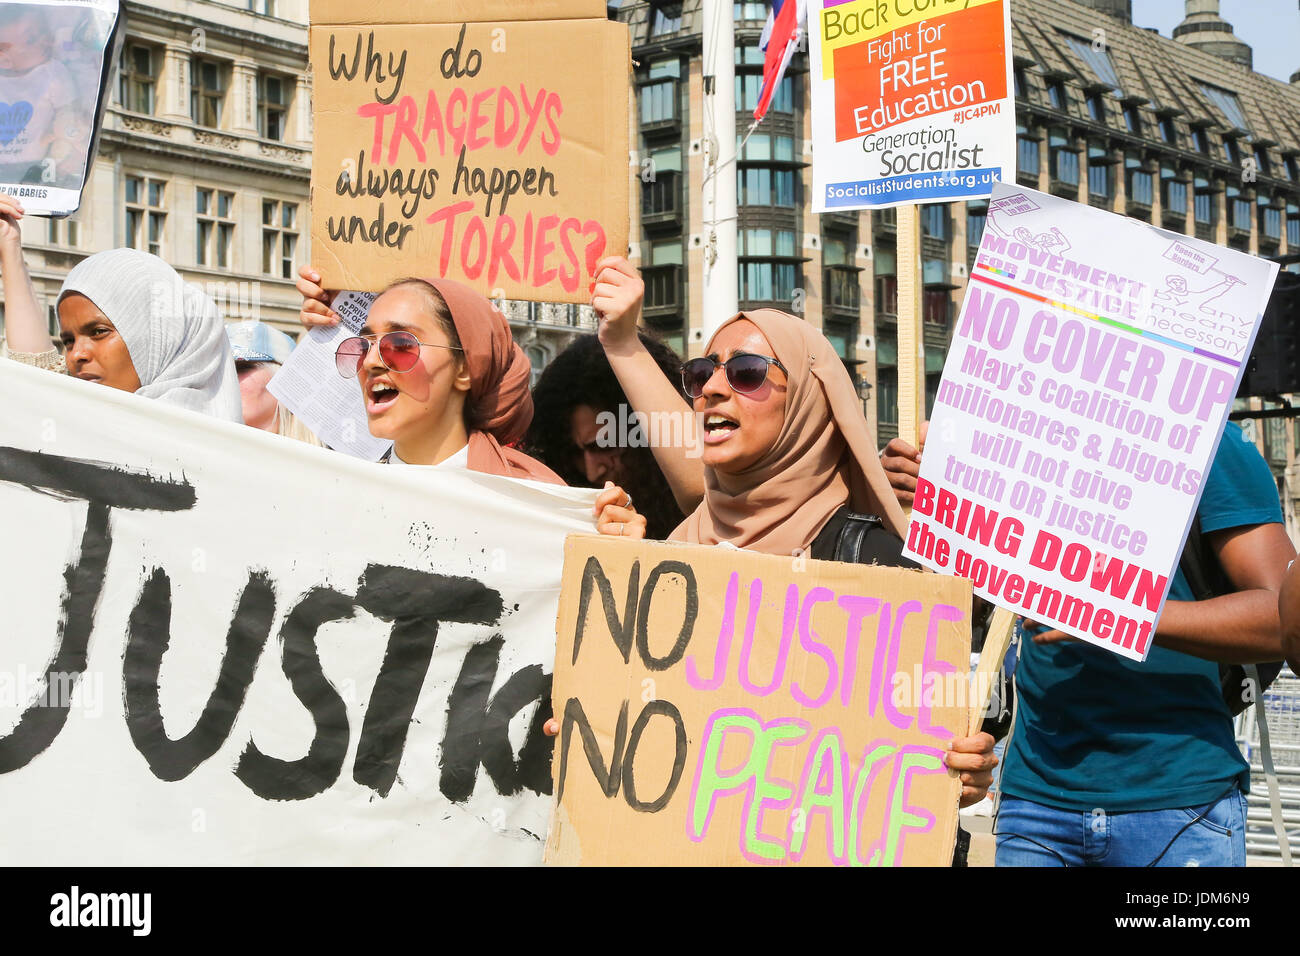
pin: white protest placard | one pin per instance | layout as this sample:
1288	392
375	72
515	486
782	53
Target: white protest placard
311	387
1083	398
911	102
224	646
56	61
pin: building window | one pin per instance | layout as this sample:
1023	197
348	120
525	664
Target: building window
215	228
1097	60
146	213
1101	178
1293	226
1169	130
1238	210
1228	105
762	147
840	278
1173	191
887	378
265	7
659	102
886	278
1140	183
1026	153
1201	139
1206	209
666	69
935	306
279	237
661	182
767	242
1097	107
63	232
1018	78
137	78
274	94
1133	119
749	86
977	214
767	281
1261	161
1231	151
1293	168
765	187
750	11
934	221
666	18
1270	219
207	92
1057	96
1063	158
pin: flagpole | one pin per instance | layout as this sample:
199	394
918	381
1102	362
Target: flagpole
721	270
911	362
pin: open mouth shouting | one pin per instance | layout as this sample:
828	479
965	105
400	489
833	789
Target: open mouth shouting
718	428
380	395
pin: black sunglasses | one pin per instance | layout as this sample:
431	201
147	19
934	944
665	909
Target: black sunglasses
746	372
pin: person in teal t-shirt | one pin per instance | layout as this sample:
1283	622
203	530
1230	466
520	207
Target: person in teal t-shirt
1118	763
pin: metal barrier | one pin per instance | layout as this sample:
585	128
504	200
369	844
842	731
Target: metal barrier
1281	704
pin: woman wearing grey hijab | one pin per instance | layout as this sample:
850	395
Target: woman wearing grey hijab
127	320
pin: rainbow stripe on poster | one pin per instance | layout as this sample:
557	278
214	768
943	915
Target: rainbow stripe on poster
1113	323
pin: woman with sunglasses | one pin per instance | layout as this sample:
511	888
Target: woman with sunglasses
790	466
442	378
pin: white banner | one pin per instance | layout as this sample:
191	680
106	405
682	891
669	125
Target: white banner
911	102
1085	391
227	647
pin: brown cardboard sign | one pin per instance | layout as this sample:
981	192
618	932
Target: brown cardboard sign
452	11
719	707
478	151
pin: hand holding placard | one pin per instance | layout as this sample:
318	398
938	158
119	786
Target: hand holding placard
467	150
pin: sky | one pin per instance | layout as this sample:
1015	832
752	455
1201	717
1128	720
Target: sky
1271	27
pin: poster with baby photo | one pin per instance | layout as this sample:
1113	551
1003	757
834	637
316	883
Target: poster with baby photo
56	61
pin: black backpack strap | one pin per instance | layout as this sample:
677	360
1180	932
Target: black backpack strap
848	546
1206	579
1201	570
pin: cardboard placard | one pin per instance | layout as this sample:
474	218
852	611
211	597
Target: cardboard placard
472	150
1085	392
911	102
721	707
452	11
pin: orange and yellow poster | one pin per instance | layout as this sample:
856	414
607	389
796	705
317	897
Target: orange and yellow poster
912	101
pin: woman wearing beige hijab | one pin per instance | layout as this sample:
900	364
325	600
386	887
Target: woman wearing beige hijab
785	446
786	451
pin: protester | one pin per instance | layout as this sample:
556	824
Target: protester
1112	762
128	321
260	351
443	379
584	429
787	455
616	294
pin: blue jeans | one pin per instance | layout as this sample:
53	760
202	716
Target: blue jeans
1031	834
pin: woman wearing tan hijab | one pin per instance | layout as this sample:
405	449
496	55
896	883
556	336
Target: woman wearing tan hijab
442	378
785	445
786	451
